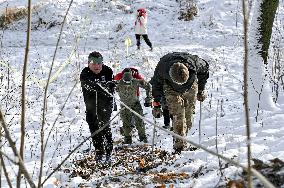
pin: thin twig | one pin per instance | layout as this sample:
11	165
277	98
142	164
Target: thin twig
216	140
264	180
16	153
79	145
23	98
45	96
245	16
199	123
5	172
60	112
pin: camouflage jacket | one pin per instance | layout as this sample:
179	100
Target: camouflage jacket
198	70
127	91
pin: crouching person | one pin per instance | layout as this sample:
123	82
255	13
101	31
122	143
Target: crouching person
127	88
181	77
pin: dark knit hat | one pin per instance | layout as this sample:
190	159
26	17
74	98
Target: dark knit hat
95	57
127	76
179	73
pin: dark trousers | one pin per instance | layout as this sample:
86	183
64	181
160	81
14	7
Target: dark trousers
146	39
102	141
167	117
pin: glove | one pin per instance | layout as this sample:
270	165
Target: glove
111	86
157	111
201	95
148	102
114	106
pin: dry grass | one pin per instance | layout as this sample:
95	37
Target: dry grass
11	15
188	10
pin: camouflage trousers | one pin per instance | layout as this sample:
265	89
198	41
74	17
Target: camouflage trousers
182	108
128	118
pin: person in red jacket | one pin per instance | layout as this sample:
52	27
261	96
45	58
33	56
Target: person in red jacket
141	28
135	74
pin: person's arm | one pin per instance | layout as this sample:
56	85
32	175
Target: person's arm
143	20
147	86
202	73
157	82
86	83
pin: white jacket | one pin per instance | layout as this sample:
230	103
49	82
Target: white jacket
141	25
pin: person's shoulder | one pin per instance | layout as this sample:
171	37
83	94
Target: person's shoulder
107	68
85	70
139	81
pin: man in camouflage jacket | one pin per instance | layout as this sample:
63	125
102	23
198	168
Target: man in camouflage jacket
181	77
127	91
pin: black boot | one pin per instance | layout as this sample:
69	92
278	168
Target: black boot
143	139
127	140
108	160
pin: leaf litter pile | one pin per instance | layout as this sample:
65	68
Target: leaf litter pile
131	165
138	165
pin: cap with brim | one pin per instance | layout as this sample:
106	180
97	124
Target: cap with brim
95	60
127	77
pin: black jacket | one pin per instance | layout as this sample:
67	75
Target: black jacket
89	84
198	69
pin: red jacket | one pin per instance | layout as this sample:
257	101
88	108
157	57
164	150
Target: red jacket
135	75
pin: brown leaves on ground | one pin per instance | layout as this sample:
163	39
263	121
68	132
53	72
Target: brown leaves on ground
137	160
236	184
166	177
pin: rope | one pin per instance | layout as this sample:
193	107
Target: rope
264	180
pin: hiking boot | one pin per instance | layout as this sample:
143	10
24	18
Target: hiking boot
191	148
99	158
151	49
143	139
166	126
108	160
138	47
177	151
127	140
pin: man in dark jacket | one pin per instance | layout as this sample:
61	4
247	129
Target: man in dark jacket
98	103
181	77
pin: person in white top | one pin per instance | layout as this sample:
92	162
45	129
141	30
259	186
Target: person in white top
141	28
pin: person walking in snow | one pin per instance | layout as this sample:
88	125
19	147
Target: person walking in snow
98	103
181	77
141	28
127	88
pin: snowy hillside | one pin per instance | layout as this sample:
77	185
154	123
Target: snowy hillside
216	34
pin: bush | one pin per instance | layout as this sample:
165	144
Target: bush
12	15
188	10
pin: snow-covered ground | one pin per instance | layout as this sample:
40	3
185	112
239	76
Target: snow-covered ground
216	35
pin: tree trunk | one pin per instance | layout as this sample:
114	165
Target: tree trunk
268	10
260	94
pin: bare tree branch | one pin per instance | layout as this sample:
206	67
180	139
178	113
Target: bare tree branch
45	97
23	99
16	153
79	145
5	171
245	15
